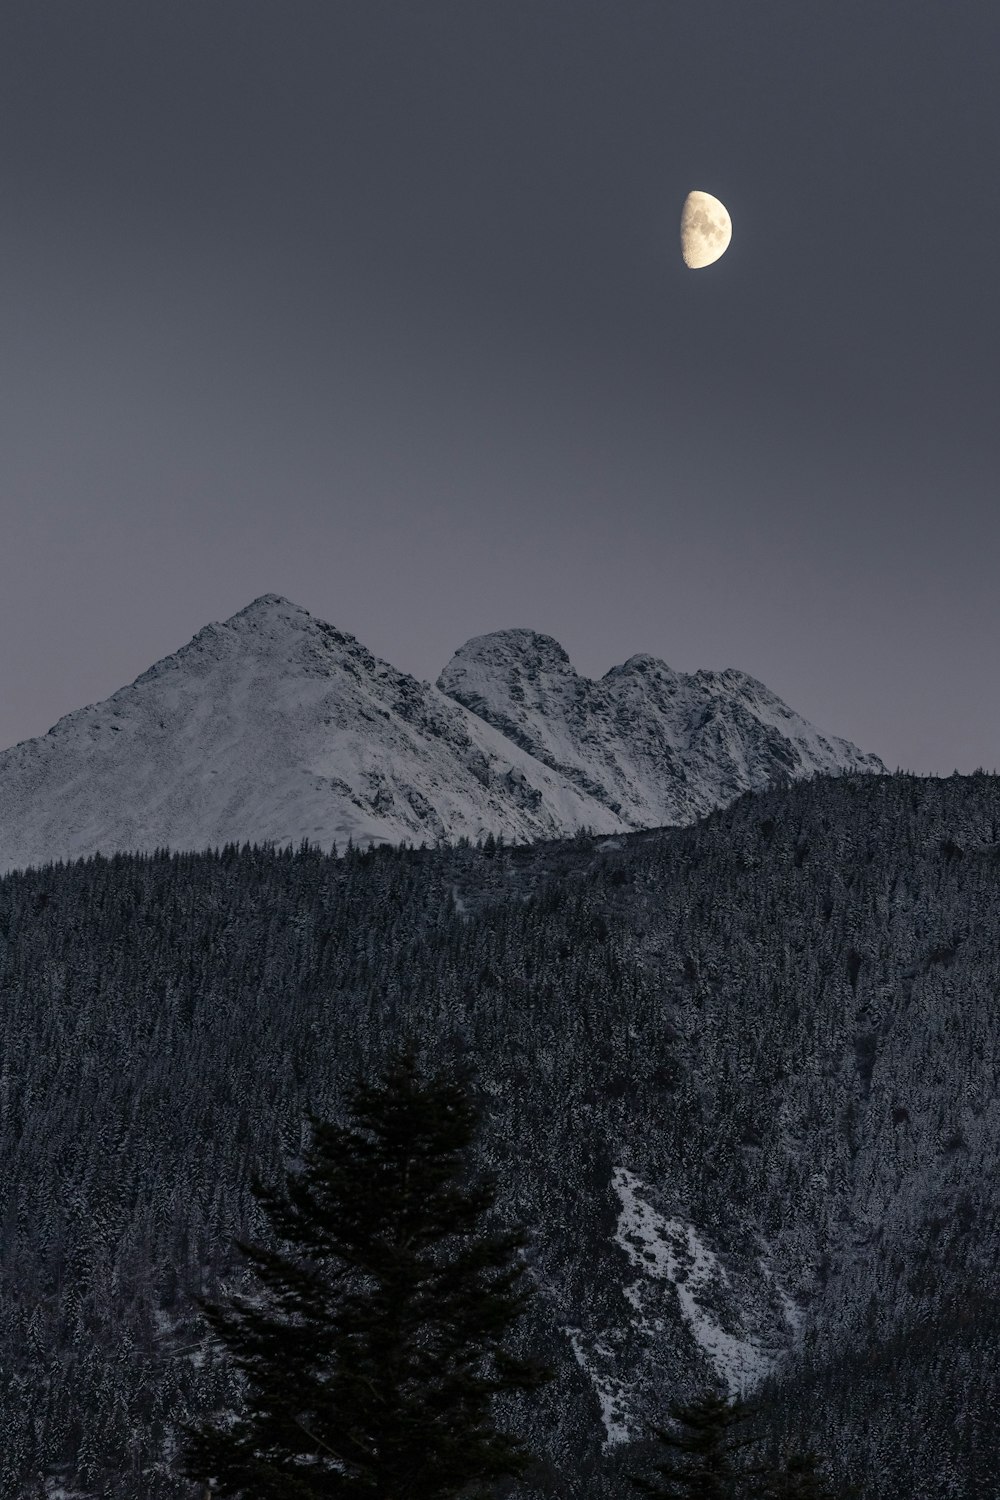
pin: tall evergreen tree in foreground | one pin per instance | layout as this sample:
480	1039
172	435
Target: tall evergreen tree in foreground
374	1350
702	1453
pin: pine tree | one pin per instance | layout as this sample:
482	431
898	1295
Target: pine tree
374	1351
701	1452
798	1478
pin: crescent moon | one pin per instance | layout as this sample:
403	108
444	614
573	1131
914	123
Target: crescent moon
706	229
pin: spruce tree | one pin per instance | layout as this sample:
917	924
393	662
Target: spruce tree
798	1477
374	1350
700	1453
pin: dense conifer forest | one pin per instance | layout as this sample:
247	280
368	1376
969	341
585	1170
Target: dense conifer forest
774	1033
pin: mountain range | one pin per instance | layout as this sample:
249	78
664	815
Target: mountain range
275	727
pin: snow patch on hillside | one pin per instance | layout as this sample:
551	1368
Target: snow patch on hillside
611	1393
672	1251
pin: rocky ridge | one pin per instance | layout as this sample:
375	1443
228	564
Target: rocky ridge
274	727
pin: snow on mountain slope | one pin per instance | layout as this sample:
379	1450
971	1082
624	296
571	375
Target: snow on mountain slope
733	1311
654	746
273	726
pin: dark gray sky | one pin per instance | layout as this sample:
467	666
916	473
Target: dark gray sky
379	304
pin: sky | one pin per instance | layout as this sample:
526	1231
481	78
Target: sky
379	305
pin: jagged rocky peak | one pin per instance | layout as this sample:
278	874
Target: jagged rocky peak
276	631
645	668
273	619
275	726
523	683
513	679
269	607
652	744
517	653
265	618
640	662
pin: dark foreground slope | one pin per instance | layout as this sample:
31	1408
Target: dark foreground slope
740	1080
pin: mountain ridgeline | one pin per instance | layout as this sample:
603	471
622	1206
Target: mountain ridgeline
276	727
738	1079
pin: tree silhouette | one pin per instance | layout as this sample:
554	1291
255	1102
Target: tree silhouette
374	1351
800	1477
700	1452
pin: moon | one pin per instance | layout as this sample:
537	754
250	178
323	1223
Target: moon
706	229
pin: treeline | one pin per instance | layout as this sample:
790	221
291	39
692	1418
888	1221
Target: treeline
780	1023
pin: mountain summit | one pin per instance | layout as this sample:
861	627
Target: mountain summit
275	727
652	745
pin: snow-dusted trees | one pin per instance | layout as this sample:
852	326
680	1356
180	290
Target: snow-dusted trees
783	1018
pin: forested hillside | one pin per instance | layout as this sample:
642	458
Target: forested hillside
739	1080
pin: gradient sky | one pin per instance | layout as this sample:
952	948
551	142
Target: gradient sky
379	304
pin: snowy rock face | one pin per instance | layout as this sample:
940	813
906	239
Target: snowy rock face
652	745
273	726
276	727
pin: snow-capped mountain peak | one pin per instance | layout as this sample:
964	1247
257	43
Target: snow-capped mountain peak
654	745
273	726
